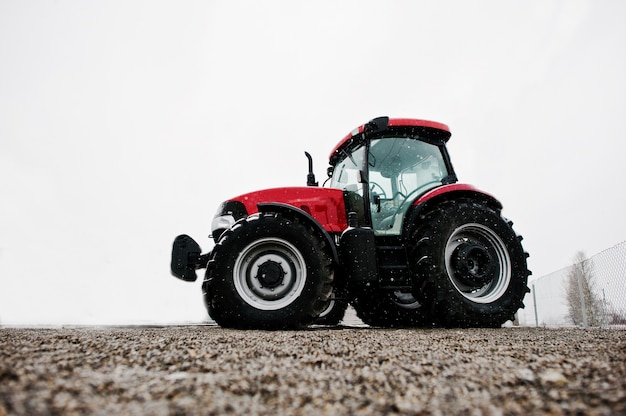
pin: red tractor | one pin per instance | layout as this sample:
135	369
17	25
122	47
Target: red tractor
393	234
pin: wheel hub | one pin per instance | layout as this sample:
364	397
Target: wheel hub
472	264
270	274
478	263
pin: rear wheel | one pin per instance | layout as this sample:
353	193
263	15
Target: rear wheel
390	309
268	272
471	266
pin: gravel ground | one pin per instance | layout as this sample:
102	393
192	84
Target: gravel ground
344	370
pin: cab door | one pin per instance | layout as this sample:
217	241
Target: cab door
400	170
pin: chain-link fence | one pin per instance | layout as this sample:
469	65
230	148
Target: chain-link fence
549	303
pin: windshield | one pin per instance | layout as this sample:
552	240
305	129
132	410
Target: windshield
347	173
348	176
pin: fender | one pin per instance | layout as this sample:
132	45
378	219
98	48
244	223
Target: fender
447	193
457	189
290	210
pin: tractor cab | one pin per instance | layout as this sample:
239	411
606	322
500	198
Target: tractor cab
385	165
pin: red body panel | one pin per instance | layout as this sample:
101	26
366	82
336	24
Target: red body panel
394	122
326	205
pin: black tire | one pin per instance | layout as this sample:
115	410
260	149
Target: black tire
471	267
268	272
334	311
390	309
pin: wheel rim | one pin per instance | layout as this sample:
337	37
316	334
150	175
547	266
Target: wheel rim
269	274
478	263
328	309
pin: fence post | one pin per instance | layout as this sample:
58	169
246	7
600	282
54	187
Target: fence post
535	305
583	306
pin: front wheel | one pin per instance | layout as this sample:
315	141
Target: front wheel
470	264
268	272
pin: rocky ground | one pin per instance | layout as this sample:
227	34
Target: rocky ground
213	371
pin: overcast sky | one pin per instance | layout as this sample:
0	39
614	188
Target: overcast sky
125	123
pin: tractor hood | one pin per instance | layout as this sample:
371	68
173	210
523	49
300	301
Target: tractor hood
325	205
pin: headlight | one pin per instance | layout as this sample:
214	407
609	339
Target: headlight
226	216
222	222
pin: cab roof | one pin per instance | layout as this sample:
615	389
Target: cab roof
382	123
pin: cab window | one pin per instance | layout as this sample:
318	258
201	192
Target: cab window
400	170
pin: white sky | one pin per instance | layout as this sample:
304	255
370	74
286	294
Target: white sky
125	123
